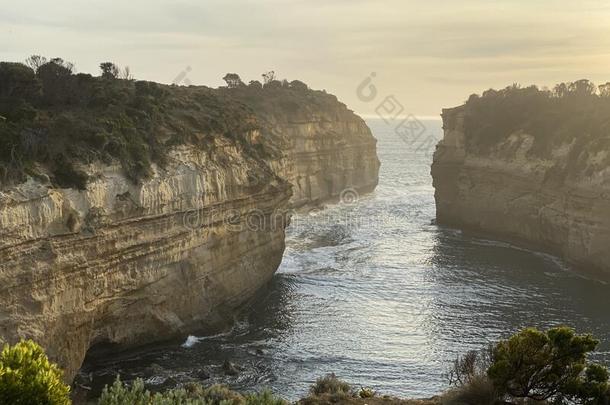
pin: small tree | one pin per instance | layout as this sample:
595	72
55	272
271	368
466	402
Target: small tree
467	368
35	61
27	377
268	77
255	84
17	83
126	73
549	365
109	70
233	80
298	85
604	90
56	78
582	88
560	90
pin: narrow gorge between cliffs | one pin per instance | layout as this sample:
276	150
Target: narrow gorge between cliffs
374	291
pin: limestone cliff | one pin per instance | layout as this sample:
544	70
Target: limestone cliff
126	264
125	259
545	188
328	149
328	157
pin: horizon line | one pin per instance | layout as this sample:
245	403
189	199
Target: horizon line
419	117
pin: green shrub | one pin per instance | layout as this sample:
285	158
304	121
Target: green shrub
120	394
221	395
330	384
264	398
549	365
468	375
27	377
479	390
190	394
366	393
471	366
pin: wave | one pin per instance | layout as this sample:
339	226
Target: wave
238	327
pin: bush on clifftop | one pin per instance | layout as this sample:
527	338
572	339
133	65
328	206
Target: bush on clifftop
56	121
571	112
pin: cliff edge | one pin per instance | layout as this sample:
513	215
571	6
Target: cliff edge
533	167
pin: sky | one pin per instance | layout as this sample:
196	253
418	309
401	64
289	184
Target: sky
426	54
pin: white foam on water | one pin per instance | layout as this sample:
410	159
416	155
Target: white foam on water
191	341
238	326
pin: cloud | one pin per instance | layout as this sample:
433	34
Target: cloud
432	53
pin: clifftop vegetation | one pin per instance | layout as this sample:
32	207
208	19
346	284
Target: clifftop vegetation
571	112
285	100
52	120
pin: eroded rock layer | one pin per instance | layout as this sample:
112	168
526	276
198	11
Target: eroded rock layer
125	264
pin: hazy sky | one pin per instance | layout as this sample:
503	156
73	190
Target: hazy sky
430	54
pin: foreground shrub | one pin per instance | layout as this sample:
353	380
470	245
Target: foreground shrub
479	390
119	394
366	393
468	376
27	377
221	395
471	366
264	398
549	365
190	394
330	384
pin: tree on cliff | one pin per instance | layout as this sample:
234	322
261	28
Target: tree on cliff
109	70
604	90
582	88
255	84
268	77
560	90
126	73
56	76
35	62
233	80
298	85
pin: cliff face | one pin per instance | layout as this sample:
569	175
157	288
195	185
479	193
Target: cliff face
548	193
127	262
325	158
327	149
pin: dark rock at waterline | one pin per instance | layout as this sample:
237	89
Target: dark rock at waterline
202	374
155	369
230	368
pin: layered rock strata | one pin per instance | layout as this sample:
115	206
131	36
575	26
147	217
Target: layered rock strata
557	201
